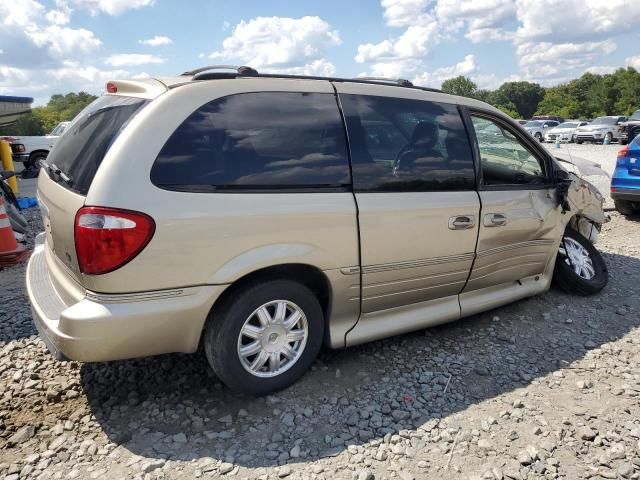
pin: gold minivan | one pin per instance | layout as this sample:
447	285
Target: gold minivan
266	215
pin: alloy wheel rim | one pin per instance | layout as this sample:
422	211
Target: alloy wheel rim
272	339
578	258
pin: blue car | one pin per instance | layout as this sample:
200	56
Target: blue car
625	183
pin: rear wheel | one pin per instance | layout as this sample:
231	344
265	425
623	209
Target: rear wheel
625	207
538	136
265	337
35	161
580	269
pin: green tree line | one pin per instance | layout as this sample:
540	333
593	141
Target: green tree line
41	120
589	96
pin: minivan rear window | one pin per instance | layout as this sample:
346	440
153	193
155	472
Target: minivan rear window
77	154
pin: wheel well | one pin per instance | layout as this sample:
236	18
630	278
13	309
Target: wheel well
311	277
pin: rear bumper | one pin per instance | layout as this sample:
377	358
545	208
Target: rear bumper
101	327
631	194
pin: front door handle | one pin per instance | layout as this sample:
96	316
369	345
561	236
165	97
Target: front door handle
495	220
462	222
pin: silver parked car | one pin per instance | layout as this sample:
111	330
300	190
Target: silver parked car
600	129
565	132
264	216
538	128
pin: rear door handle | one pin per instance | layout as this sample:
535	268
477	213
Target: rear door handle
494	220
462	222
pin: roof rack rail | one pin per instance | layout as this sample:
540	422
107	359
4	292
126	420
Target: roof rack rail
242	70
210	73
398	81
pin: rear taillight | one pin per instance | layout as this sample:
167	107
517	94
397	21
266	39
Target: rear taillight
622	156
624	152
108	238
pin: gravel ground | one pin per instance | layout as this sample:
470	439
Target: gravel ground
547	387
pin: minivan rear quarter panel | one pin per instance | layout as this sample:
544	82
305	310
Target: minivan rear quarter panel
215	238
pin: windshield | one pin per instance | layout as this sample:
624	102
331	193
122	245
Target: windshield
568	125
59	129
635	116
604	121
76	156
533	123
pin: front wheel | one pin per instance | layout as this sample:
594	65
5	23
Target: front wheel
538	137
580	268
265	337
608	138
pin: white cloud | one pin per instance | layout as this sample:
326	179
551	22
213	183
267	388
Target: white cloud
156	41
434	79
546	60
62	42
632	62
404	54
60	16
484	18
110	7
402	13
574	20
70	77
129	59
278	42
20	13
320	67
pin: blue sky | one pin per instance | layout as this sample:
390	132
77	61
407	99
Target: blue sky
57	46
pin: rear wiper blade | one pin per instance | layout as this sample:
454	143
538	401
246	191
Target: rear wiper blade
66	178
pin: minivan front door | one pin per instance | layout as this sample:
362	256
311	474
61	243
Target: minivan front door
520	225
418	210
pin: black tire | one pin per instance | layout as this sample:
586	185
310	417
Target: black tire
625	207
34	161
225	324
608	138
538	136
579	142
565	277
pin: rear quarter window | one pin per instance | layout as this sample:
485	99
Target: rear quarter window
262	140
78	153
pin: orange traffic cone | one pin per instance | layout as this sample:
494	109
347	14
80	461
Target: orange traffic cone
10	252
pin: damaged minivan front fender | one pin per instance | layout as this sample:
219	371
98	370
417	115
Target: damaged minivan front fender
581	201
